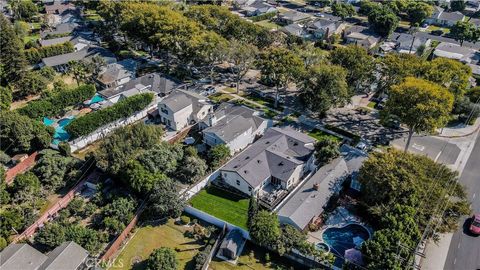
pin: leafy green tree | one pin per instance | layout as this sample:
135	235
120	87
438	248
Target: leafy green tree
33	83
163	258
139	179
383	20
458	5
24	9
51	235
418	11
5	98
162	157
113	225
218	154
87	238
193	167
326	150
21	29
122	209
79	70
3	243
12	58
12	220
367	6
359	64
252	209
280	67
395	67
464	31
265	229
212	50
242	56
164	200
449	73
290	239
325	87
124	143
343	10
421	105
19	133
55	170
26	187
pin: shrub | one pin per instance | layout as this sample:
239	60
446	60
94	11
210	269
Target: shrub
90	122
57	102
266	16
185	219
34	55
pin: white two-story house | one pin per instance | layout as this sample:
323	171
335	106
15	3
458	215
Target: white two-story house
277	161
183	108
233	125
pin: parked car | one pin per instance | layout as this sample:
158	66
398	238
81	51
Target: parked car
437	32
475	225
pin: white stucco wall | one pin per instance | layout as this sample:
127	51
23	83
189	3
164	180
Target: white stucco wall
231	179
202	113
178	120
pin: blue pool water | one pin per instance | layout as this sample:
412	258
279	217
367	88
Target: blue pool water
341	239
97	98
47	121
60	133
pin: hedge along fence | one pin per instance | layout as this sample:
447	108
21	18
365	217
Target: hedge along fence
34	55
266	16
57	102
90	122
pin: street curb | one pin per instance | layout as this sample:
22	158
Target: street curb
460	136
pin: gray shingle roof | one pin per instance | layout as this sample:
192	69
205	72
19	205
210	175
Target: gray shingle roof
307	202
88	52
157	83
181	99
21	256
67	256
451	16
276	154
54	41
294	16
119	70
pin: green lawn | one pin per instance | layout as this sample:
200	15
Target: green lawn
318	134
31	37
220	97
434	27
222	204
372	104
253	257
269	113
149	238
268	24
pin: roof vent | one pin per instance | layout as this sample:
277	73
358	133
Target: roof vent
295	143
316	186
259	161
247	157
281	163
267	142
236	166
245	171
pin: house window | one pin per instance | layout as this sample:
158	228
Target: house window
238	182
275	181
249	188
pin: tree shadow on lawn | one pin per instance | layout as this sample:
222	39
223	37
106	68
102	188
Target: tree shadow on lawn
223	193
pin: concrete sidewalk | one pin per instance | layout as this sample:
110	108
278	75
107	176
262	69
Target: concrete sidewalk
460	130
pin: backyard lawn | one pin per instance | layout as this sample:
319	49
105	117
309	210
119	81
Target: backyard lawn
318	134
268	24
220	97
254	258
223	205
148	238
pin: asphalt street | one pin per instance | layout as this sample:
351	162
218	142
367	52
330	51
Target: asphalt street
436	149
464	251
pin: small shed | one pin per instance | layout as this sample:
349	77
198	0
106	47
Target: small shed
232	244
19	158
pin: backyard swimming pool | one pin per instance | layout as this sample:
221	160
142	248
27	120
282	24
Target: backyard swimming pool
344	238
60	133
95	99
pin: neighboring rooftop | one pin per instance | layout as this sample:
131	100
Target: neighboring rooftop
21	256
117	71
86	53
276	154
181	99
68	255
294	16
455	51
160	84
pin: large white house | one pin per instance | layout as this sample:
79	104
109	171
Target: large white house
233	125
277	161
183	108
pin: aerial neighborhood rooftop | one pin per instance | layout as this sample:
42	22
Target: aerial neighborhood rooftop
259	134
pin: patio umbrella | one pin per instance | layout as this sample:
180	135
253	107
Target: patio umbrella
358	241
354	255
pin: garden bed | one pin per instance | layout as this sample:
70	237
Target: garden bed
222	204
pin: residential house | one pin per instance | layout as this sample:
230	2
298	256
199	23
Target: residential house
325	28
308	201
465	55
472	6
256	8
182	108
291	17
297	30
59	30
361	36
60	62
233	125
232	245
159	84
118	73
405	43
444	18
68	256
475	22
271	166
58	7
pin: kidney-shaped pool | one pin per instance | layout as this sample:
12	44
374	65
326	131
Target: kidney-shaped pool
347	237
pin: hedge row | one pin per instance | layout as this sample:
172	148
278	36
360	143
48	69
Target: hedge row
34	55
266	16
52	36
54	104
124	108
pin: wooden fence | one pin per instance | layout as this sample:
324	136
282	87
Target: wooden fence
20	167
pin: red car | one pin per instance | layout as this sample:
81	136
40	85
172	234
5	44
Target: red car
475	225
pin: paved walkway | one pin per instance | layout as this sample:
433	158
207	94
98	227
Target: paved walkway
459	130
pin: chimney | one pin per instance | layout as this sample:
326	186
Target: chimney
316	186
